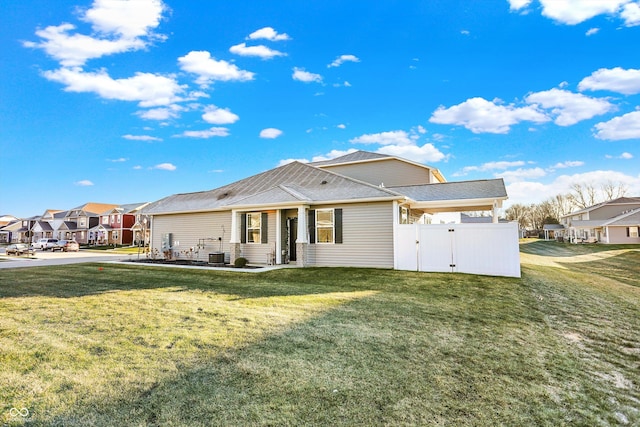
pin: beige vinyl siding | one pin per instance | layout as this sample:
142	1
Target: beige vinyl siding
187	229
619	235
256	253
367	233
390	172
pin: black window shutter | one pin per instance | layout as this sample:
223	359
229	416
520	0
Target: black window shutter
628	233
264	227
312	226
243	228
337	217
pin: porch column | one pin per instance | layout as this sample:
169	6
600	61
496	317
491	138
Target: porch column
278	249
234	241
302	241
494	212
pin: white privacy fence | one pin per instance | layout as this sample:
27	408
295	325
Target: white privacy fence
488	249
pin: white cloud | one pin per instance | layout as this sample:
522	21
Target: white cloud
341	126
631	14
141	138
568	164
568	107
165	167
268	33
342	59
270	133
616	79
75	49
592	31
521	174
209	69
130	19
163	113
624	156
572	12
118	160
119	26
260	51
396	137
501	165
482	116
137	167
423	154
619	128
219	116
84	183
304	76
333	154
147	89
207	133
518	4
527	192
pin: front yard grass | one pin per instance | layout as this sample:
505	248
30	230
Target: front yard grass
105	344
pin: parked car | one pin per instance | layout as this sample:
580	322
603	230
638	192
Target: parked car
19	249
66	246
45	244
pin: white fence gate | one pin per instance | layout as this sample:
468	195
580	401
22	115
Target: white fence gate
488	249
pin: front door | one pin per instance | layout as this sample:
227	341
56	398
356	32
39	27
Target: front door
292	225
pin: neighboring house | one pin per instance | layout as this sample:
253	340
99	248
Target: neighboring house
614	221
553	231
5	220
77	223
116	225
20	231
340	212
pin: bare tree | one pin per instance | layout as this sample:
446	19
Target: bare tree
583	195
518	212
611	190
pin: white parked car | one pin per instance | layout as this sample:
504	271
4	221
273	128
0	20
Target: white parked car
45	244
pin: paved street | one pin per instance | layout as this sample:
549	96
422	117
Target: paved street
44	258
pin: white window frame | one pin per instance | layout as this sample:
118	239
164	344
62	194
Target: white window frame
633	232
252	228
332	226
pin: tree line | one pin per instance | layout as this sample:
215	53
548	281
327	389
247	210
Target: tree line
581	196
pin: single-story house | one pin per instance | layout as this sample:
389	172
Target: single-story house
340	212
613	221
553	231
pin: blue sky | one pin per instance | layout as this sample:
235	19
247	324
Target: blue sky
119	102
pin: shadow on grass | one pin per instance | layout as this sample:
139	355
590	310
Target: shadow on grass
361	363
623	267
78	280
552	248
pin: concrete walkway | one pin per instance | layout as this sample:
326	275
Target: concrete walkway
46	258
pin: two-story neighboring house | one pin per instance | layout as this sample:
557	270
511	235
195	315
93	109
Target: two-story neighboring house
116	225
614	221
78	222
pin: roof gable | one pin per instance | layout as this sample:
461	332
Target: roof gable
288	183
369	157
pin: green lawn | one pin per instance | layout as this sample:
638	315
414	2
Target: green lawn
105	345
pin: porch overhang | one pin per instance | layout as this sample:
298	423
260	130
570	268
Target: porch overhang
460	205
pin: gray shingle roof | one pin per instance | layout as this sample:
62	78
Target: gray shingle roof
481	189
288	183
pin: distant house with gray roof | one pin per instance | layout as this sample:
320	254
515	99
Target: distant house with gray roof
339	212
613	221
